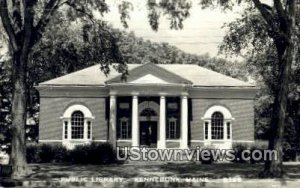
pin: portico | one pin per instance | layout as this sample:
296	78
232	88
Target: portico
149	120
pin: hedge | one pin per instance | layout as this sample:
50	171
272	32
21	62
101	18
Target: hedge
94	153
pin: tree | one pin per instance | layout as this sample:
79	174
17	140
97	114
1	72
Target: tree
260	62
269	33
24	23
280	26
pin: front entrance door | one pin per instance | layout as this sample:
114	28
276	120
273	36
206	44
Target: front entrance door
148	134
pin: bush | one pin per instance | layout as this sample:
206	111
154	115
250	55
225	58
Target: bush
83	154
289	152
239	148
207	159
261	146
93	154
46	153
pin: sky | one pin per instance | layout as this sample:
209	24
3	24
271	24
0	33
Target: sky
202	32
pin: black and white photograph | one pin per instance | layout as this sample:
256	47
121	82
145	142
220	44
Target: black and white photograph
150	93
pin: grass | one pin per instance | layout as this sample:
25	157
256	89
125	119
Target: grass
247	172
219	170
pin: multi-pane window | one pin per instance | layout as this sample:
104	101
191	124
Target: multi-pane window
206	130
89	130
77	125
124	128
173	129
66	129
228	130
217	126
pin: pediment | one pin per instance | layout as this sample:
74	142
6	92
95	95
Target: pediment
149	79
150	74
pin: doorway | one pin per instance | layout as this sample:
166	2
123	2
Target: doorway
148	134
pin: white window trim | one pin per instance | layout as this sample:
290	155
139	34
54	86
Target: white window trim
91	129
126	120
227	118
173	120
77	107
217	108
230	134
209	130
67	117
64	129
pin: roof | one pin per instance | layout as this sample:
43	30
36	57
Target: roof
198	76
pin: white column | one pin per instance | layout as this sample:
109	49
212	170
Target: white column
135	122
162	124
113	121
184	123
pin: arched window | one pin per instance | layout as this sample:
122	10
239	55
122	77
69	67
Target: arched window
217	123
77	125
217	126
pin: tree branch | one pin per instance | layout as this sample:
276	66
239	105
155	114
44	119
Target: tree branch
275	32
49	9
7	25
265	13
16	15
81	10
28	23
281	14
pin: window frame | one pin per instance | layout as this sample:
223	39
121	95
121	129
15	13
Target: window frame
172	122
206	129
227	118
228	133
67	123
127	128
82	123
217	126
89	129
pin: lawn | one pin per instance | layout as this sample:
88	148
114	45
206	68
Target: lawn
81	175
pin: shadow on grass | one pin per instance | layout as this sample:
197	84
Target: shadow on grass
250	171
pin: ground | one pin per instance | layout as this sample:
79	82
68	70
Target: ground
238	175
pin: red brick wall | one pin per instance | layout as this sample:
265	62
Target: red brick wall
241	109
51	109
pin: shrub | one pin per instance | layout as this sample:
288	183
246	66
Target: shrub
60	154
207	159
93	154
32	154
260	146
239	148
46	153
289	152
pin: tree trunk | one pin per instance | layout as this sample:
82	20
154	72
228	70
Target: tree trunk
274	168
18	153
